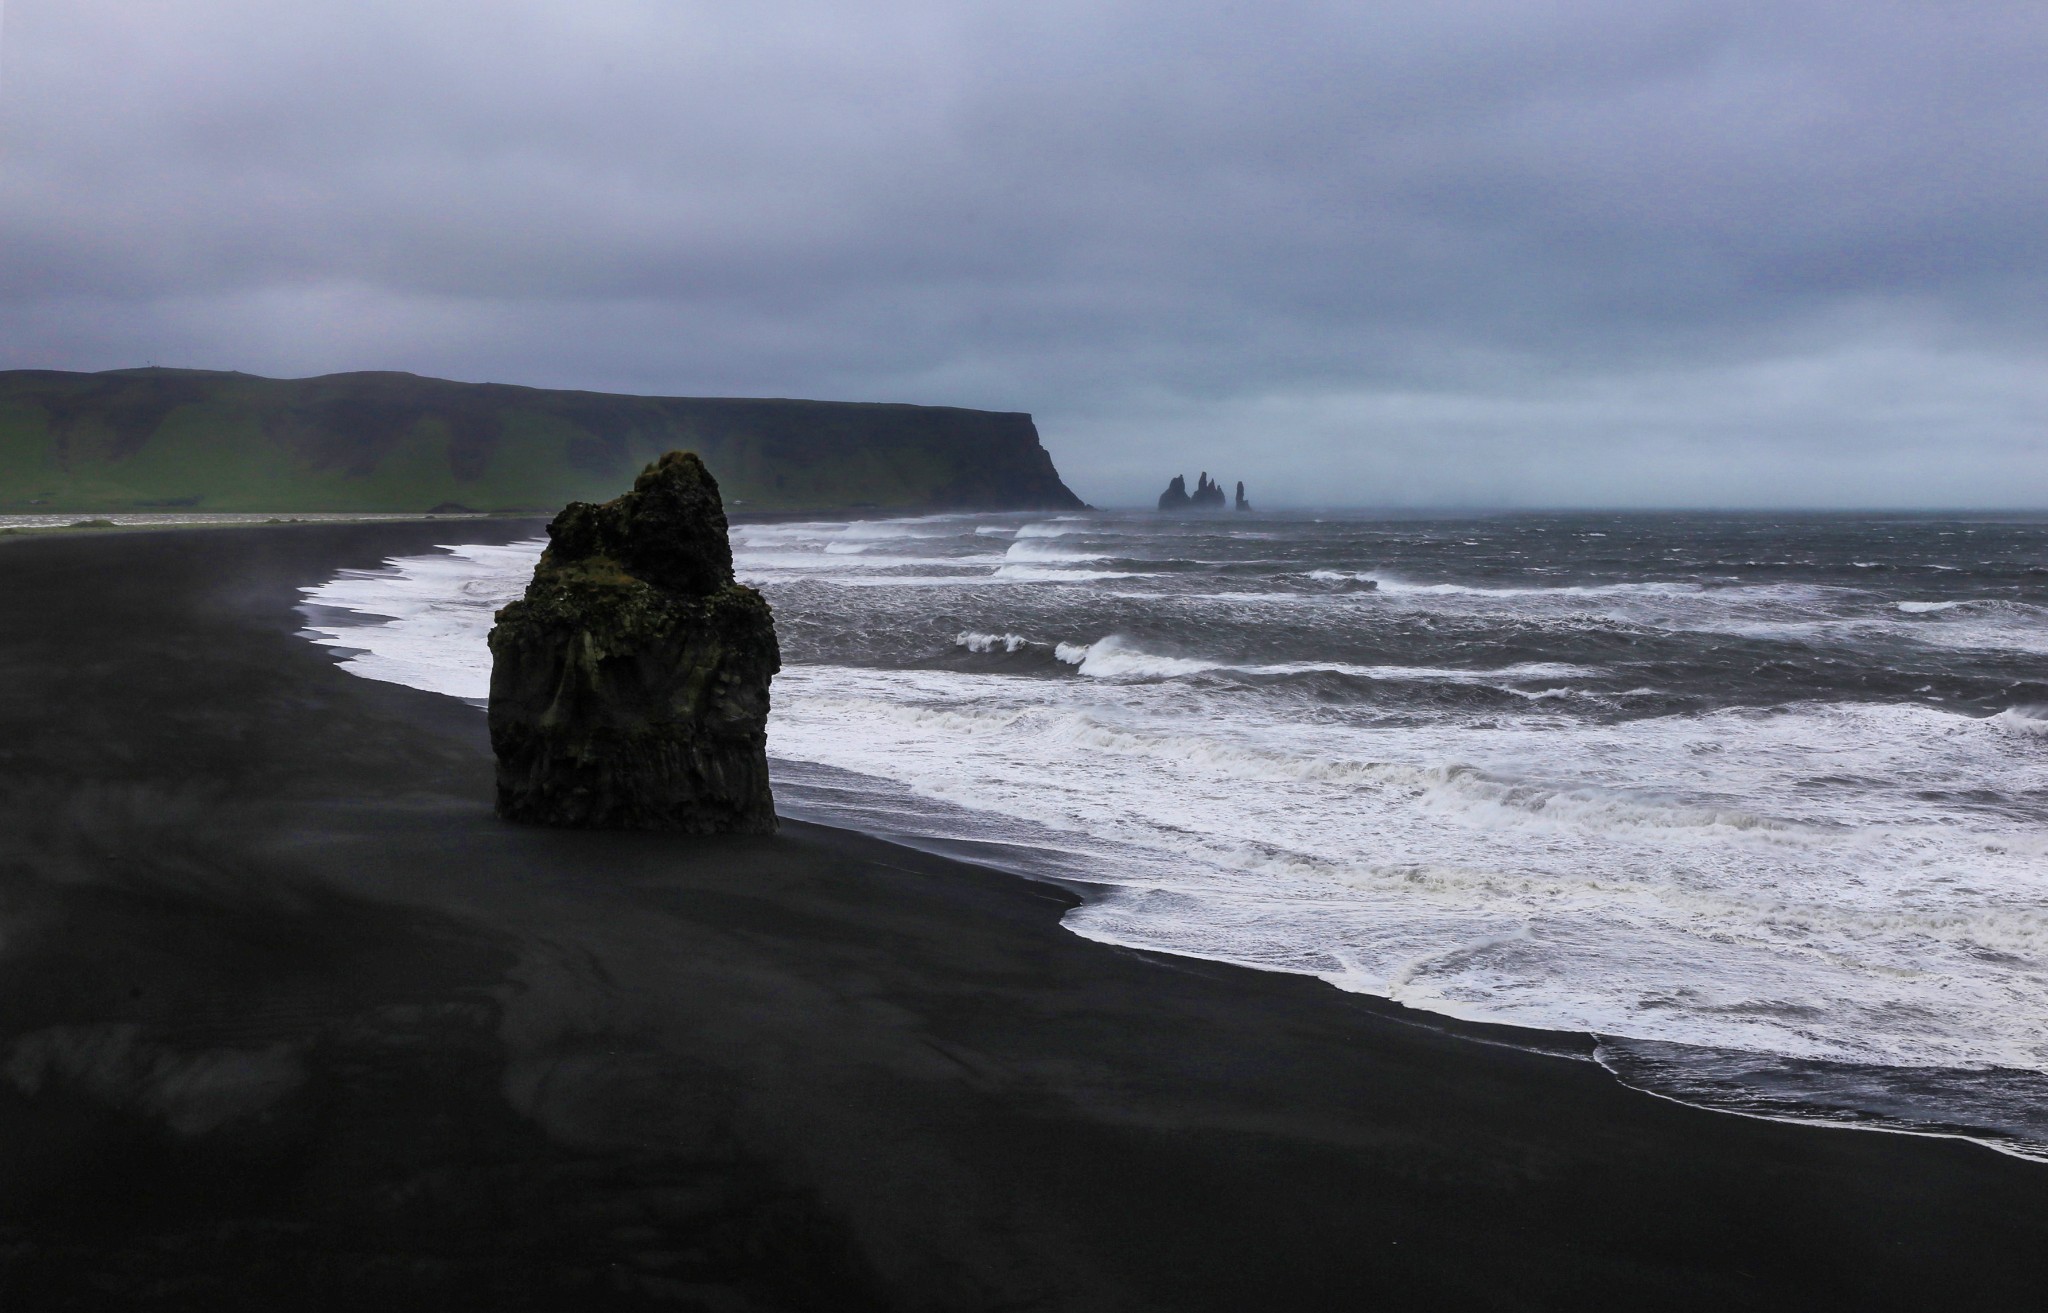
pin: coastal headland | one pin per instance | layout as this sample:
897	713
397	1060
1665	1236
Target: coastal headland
289	1019
207	440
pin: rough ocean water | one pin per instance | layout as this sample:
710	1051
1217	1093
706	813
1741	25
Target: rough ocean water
1761	801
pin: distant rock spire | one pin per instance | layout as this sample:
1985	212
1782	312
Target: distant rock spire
1207	496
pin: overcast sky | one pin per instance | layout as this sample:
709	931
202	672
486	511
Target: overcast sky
1591	252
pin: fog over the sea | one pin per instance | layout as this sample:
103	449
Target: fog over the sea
1467	251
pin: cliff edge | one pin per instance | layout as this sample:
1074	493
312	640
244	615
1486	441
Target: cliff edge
202	440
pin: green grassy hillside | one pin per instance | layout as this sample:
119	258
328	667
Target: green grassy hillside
191	439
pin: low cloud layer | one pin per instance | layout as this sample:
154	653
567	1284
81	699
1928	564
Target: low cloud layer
1496	253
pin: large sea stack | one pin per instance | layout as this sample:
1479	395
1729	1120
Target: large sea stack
629	687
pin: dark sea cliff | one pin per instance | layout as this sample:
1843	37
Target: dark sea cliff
201	440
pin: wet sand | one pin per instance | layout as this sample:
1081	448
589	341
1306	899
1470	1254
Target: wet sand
288	1019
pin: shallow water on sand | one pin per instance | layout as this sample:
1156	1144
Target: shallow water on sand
1762	800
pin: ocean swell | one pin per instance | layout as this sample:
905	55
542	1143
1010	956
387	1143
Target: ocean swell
1773	828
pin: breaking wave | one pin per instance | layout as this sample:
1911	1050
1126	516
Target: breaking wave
978	642
1763	815
1116	657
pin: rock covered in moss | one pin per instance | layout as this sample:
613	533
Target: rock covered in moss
629	687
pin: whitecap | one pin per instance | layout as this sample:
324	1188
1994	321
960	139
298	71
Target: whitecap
1854	882
1026	549
1117	657
975	641
2026	719
1051	575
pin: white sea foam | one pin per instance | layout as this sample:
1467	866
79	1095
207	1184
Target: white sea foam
1116	657
431	614
1773	612
1034	549
911	553
1513	592
1113	658
1842	881
1684	879
2024	720
975	641
1039	574
829	561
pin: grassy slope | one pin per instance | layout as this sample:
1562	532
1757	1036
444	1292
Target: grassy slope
396	442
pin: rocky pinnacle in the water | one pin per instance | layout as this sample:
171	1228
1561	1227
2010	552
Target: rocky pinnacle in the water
629	687
1208	495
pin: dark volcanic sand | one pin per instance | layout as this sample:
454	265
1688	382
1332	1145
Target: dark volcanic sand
288	1019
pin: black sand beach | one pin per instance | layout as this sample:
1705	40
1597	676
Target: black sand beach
288	1019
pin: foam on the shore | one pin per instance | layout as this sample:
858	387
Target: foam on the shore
421	621
1854	885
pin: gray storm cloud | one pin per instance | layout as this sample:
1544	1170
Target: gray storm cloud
1504	253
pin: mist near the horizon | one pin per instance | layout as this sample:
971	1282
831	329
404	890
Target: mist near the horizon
1491	254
